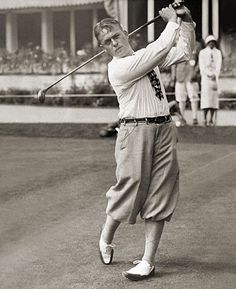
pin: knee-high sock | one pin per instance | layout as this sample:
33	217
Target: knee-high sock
194	107
109	229
153	232
182	106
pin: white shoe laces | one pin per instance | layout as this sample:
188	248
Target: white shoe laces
106	248
136	262
142	268
109	247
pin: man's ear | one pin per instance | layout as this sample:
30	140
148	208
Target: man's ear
104	49
126	33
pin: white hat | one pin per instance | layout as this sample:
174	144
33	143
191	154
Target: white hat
210	38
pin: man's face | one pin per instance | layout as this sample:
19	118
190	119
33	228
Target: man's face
115	41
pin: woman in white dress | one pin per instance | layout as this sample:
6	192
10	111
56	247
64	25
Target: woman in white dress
210	61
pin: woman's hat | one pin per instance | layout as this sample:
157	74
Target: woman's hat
210	38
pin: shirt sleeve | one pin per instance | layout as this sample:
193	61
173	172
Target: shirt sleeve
131	68
184	47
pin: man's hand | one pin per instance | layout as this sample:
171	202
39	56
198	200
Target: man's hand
211	76
184	13
168	14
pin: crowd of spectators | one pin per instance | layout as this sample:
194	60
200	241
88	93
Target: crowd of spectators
33	60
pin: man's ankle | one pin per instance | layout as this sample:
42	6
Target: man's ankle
150	262
104	239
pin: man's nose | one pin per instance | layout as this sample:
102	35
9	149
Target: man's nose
114	42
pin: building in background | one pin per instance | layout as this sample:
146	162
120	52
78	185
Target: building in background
49	23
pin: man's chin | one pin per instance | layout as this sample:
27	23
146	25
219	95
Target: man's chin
122	53
119	51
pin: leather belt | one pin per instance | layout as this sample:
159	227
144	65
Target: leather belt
147	120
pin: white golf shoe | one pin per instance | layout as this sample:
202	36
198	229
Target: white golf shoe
141	271
106	252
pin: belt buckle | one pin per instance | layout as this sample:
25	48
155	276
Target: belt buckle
167	118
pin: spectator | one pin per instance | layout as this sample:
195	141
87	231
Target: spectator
186	77
210	61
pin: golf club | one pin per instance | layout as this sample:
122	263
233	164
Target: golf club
42	93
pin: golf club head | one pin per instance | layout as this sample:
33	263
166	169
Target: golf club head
41	95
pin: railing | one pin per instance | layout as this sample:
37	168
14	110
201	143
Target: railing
98	95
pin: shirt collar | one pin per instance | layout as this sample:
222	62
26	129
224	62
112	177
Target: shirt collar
209	49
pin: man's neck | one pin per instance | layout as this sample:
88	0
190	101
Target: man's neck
130	53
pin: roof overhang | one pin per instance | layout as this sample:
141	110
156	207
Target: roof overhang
22	4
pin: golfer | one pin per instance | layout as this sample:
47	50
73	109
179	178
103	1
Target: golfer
147	166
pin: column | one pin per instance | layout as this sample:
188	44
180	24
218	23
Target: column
47	31
95	21
72	33
123	11
150	16
215	18
205	18
11	32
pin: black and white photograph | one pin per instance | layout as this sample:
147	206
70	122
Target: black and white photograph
117	144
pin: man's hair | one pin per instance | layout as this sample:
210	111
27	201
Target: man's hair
106	23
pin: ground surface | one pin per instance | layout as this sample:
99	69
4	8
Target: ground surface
52	206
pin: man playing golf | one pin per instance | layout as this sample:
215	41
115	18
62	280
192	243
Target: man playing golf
147	166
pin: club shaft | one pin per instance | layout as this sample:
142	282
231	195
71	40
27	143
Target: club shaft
75	69
144	25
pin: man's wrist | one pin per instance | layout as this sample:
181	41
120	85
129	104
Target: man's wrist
173	19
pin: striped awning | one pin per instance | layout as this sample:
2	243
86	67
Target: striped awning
21	4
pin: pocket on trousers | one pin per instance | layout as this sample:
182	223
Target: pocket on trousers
123	136
175	132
